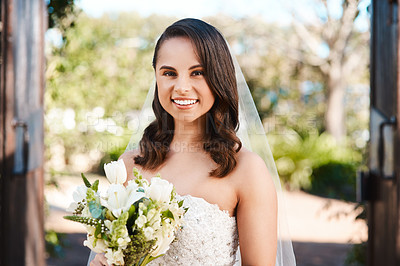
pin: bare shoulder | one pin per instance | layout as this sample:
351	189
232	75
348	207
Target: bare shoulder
252	174
129	161
128	156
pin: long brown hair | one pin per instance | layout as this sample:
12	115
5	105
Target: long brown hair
222	120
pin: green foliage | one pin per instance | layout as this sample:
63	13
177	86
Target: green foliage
86	181
84	220
297	159
55	243
96	210
62	15
117	230
57	10
137	248
335	180
110	156
358	255
103	57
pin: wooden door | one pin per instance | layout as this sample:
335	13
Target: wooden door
21	129
384	153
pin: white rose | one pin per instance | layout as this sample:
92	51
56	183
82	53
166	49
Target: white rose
159	190
115	172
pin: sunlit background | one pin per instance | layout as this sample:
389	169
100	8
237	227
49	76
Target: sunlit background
306	64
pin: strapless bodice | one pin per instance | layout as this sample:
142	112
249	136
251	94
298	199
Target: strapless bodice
208	237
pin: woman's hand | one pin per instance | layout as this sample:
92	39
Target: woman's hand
99	260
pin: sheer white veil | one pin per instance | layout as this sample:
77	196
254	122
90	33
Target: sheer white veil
252	135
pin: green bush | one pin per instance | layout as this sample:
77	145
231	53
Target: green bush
109	156
315	163
334	180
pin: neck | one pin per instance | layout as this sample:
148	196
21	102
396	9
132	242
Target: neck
188	136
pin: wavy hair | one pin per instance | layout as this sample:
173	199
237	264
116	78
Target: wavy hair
222	120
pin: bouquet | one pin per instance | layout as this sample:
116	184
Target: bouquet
132	224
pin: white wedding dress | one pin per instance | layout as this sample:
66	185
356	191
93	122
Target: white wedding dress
208	237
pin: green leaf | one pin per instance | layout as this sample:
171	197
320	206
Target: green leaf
82	219
87	183
96	209
98	230
132	211
168	214
95	185
180	204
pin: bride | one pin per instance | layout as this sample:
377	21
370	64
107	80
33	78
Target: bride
193	144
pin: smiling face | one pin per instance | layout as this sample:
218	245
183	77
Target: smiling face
182	89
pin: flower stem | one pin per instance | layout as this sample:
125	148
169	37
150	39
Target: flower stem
143	261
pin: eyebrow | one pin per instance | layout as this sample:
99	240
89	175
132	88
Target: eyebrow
171	68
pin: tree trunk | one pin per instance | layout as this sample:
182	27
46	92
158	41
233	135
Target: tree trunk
335	113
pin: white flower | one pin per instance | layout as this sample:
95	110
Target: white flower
100	246
162	244
153	216
86	212
119	199
132	186
140	221
115	172
159	190
79	194
72	207
123	241
149	233
114	257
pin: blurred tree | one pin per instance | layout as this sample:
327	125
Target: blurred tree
61	14
287	94
330	44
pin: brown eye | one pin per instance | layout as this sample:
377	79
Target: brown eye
169	73
198	73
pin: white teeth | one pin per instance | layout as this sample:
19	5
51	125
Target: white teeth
185	102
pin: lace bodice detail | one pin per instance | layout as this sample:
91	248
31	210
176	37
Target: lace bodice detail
208	237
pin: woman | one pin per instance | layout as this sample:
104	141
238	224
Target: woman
193	144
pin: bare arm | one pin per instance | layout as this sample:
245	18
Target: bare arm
257	213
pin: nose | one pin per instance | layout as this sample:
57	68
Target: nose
182	85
